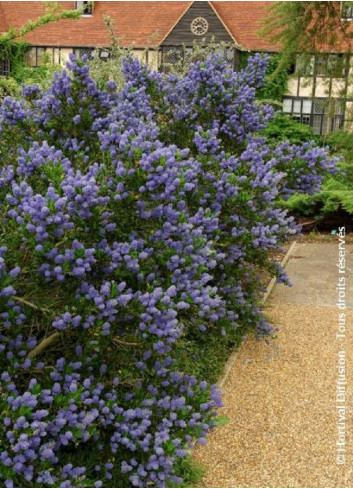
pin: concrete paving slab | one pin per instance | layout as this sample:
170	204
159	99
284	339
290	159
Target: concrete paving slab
314	272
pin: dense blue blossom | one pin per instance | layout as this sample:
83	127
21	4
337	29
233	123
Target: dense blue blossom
131	220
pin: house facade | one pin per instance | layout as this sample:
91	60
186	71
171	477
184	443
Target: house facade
319	95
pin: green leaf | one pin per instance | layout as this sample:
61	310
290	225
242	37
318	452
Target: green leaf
222	420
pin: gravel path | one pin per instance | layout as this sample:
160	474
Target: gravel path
281	398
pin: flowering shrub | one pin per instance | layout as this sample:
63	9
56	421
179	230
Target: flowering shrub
130	220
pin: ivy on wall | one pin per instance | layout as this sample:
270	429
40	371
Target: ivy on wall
14	52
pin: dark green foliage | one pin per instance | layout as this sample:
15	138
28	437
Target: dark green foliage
337	192
191	471
243	59
206	356
336	196
284	128
341	142
304	205
13	51
276	86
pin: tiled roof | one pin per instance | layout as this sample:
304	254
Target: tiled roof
3	23
244	20
139	23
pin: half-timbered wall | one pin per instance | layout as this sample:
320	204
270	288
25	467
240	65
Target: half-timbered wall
322	100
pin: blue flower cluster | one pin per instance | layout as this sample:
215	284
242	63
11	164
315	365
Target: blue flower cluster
130	221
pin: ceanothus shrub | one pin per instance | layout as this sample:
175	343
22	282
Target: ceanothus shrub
130	220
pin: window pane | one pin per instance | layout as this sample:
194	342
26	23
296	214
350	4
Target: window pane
297	106
307	106
324	125
305	65
338	122
4	67
321	64
104	54
298	63
306	119
332	63
219	52
31	57
310	68
172	54
229	54
287	105
86	7
80	52
347	10
324	115
317	124
339	109
336	65
319	106
40	52
49	55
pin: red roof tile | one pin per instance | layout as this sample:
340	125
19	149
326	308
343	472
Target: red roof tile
244	20
3	23
137	22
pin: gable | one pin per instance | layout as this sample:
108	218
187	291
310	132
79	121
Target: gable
182	32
